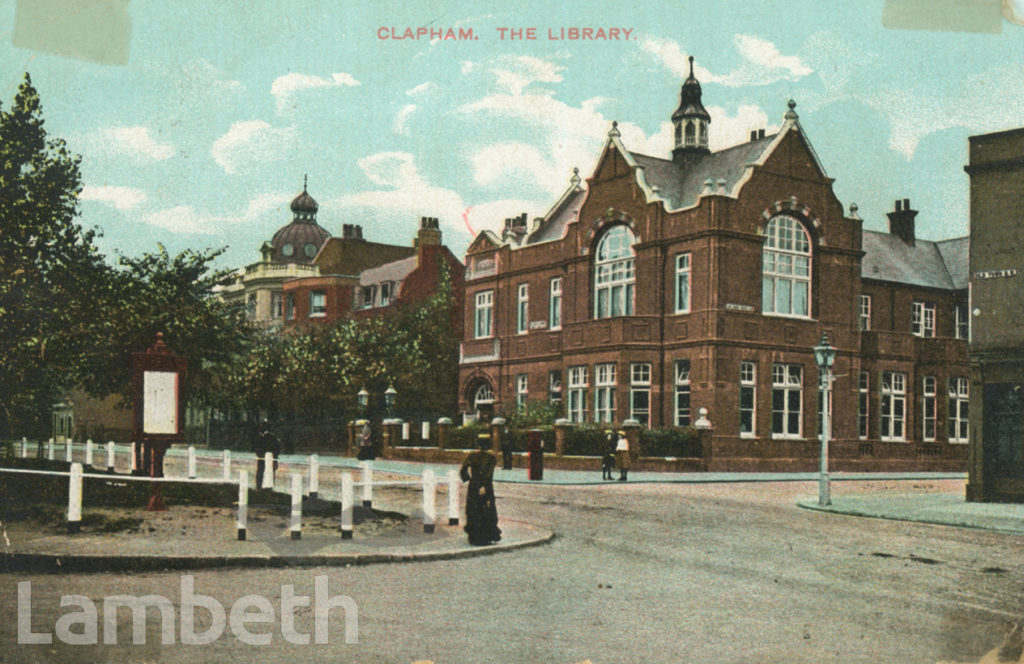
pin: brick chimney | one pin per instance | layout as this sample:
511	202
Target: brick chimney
430	232
901	221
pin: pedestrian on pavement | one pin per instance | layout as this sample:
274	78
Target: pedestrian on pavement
265	441
481	513
366	443
608	459
622	455
506	450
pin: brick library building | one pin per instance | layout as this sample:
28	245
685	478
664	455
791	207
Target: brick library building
703	280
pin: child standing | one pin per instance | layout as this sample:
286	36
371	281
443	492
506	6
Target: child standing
608	460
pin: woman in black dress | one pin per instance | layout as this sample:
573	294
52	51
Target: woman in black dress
481	514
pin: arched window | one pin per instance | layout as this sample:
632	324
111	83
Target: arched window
786	268
484	395
691	139
679	134
614	274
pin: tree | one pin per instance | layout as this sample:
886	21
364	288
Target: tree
173	295
51	272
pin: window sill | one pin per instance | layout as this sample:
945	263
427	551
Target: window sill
748	436
772	314
323	315
786	436
893	440
958	442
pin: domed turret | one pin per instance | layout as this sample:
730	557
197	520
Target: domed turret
299	241
690	120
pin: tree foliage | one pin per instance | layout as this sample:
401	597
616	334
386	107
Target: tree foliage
51	273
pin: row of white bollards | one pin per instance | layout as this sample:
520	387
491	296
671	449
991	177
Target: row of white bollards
429	483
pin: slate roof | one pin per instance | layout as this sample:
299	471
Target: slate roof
680	186
394	271
924	263
561	215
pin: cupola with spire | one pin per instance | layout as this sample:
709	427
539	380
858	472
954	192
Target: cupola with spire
690	121
299	241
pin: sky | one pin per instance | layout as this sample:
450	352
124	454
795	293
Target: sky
197	121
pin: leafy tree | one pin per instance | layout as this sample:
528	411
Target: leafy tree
51	273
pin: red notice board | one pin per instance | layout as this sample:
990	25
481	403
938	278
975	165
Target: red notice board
158	406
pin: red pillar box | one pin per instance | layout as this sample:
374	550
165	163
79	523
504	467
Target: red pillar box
158	410
535	446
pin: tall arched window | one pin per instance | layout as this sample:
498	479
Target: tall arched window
786	269
614	274
691	138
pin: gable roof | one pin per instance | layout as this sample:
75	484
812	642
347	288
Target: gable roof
924	263
558	218
393	271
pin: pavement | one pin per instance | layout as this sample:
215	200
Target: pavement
273	548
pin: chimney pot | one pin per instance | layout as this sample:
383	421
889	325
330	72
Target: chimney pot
760	133
753	134
899	205
906	203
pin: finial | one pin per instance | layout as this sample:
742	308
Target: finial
575	179
853	211
691	66
615	129
305	181
791	114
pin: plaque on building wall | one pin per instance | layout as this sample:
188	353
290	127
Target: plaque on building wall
729	306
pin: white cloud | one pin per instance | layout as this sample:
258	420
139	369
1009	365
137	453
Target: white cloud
422	89
135	142
762	63
181	219
402	118
121	198
467	66
285	86
515	73
185	219
494	165
252	141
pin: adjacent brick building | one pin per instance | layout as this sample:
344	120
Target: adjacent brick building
996	169
703	280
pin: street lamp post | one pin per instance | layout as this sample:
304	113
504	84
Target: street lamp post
390	395
363	398
824	357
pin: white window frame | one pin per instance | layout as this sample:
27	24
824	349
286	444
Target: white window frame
863	405
893	411
317	303
386	292
277	304
922	319
522	391
615	274
748	386
604	391
786	268
483	315
682	396
961	322
929	406
576	407
289	306
959	404
865	313
555	304
522	308
787	384
640	387
555	385
682	283
368	296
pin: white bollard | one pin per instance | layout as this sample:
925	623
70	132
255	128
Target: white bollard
132	459
454	487
88	452
268	471
111	457
49	450
296	506
405	431
429	509
68	450
75	499
243	502
225	460
24	447
367	484
346	506
191	462
314	475
425	432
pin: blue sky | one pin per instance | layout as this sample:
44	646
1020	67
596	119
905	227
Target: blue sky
202	137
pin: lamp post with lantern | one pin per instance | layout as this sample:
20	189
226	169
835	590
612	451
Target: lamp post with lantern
824	357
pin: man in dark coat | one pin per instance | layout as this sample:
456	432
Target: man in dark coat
481	513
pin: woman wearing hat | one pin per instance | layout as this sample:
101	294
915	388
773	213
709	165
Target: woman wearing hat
622	456
481	513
